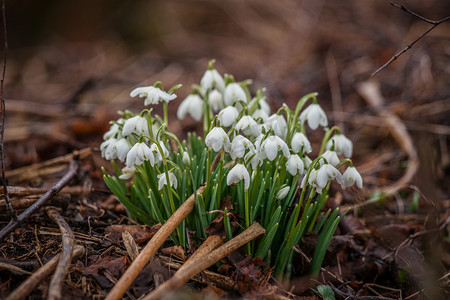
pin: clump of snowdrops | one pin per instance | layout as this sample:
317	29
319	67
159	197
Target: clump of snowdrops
261	160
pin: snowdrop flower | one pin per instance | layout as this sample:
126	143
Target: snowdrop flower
136	124
306	161
262	104
342	145
278	124
315	116
107	149
300	143
121	147
331	157
271	146
215	100
217	138
282	193
186	159
259	113
113	130
253	157
153	95
233	93
163	180
239	145
127	173
228	116
351	176
326	173
294	165
238	173
248	126
192	105
157	153
139	153
212	79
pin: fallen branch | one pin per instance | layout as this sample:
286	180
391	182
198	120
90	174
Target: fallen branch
152	246
371	93
185	273
409	46
31	283
14	223
209	245
24	203
66	255
13	268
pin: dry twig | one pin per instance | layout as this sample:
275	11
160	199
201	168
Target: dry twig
152	246
66	255
185	273
434	23
13	224
30	284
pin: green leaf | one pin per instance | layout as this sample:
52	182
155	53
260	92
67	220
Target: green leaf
326	292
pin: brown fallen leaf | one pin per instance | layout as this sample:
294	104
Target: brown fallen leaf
130	245
176	251
115	266
140	233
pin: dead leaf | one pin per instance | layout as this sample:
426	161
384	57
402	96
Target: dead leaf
176	251
115	266
140	233
130	245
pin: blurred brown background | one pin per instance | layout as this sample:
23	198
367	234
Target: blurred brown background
71	65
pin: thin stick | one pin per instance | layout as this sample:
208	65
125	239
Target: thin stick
13	224
11	210
152	246
32	282
209	245
193	269
434	23
66	255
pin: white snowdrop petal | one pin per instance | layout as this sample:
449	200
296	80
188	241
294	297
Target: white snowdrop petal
282	193
233	93
237	173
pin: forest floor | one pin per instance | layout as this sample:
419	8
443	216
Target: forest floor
394	242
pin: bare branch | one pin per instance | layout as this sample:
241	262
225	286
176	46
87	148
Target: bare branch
434	23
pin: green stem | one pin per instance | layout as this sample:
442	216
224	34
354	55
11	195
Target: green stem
326	138
247	217
222	155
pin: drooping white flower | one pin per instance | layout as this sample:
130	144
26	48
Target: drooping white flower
271	145
192	105
326	173
282	193
238	173
107	149
351	175
113	130
294	165
212	79
136	124
153	95
139	153
233	93
307	161
331	157
228	116
186	159
300	143
127	173
217	139
315	116
278	124
157	154
215	100
239	145
259	113
261	105
342	145
122	146
163	180
248	126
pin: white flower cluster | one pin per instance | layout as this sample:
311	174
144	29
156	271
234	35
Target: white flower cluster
257	136
129	138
